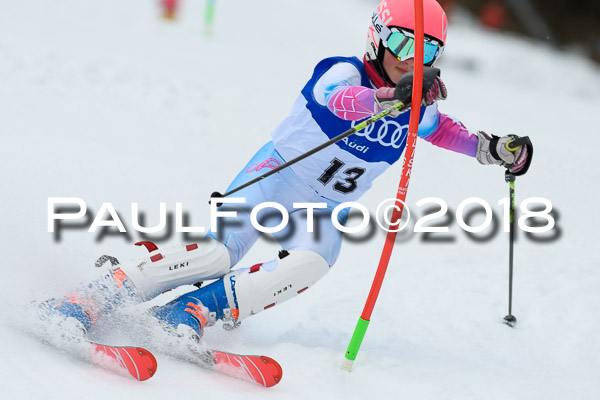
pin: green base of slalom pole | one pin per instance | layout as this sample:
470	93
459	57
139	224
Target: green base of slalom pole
355	342
209	17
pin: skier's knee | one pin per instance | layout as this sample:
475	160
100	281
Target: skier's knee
262	286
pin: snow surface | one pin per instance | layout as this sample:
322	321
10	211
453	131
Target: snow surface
104	101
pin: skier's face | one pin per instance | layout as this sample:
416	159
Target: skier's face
396	68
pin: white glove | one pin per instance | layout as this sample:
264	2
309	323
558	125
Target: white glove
386	98
511	151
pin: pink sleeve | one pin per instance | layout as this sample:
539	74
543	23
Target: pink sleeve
451	134
352	103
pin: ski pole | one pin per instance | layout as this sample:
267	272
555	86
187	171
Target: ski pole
509	177
358	127
510	319
407	162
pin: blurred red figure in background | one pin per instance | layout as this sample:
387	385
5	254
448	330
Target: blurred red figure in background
169	8
493	14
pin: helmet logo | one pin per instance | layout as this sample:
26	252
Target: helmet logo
384	12
374	21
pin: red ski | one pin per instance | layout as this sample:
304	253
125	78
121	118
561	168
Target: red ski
138	362
258	369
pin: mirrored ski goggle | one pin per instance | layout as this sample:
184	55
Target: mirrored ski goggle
402	42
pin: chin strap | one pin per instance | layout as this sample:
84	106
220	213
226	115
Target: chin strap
376	73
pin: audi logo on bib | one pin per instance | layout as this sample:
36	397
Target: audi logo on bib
385	132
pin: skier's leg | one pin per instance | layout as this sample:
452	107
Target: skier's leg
247	291
238	234
324	238
223	248
140	280
165	269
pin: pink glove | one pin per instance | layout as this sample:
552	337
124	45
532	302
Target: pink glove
387	97
436	92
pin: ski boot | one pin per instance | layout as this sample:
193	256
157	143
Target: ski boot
79	310
73	314
185	317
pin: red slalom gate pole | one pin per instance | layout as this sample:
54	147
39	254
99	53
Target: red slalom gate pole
407	163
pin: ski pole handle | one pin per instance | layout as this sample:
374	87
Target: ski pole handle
514	145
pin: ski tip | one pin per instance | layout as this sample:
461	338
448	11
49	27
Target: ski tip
275	372
146	365
139	362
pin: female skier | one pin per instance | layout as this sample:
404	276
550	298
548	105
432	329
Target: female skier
341	91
